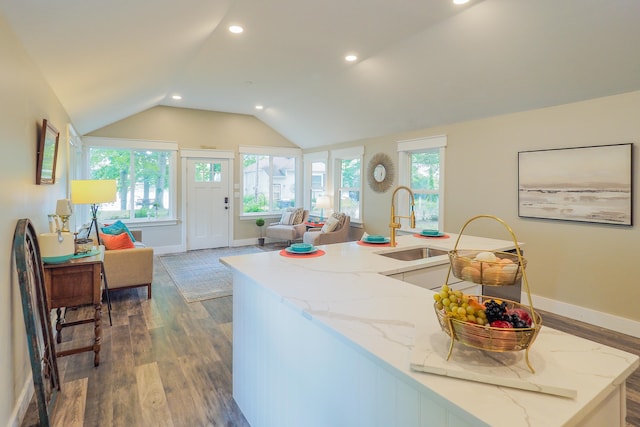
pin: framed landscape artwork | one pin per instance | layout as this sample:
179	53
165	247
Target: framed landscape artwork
588	184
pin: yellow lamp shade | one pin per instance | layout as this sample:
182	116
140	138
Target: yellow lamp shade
93	191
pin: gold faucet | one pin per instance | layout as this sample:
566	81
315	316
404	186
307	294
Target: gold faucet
412	216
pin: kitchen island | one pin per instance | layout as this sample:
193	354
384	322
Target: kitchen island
328	341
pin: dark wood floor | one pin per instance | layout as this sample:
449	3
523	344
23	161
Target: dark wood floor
168	363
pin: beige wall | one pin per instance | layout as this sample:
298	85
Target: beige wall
197	129
588	265
26	99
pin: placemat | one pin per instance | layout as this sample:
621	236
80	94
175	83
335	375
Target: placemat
317	253
446	236
361	243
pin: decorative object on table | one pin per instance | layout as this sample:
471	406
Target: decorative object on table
315	252
380	172
322	203
441	235
37	319
54	223
373	240
487	323
83	244
93	192
394	220
64	210
586	184
47	154
301	247
260	224
56	248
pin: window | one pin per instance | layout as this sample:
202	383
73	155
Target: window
316	181
349	177
145	177
269	177
421	164
207	172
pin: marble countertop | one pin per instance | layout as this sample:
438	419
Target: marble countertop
346	291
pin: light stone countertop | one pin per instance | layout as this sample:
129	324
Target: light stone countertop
347	293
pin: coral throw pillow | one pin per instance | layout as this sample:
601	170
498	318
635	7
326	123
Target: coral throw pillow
117	228
119	241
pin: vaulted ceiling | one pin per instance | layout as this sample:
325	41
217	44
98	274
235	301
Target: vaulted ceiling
420	63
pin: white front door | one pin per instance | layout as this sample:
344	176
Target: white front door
208	203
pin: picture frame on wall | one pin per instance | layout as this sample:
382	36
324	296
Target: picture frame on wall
47	154
585	184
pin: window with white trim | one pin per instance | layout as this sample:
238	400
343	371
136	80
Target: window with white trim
316	181
421	168
145	174
348	171
269	177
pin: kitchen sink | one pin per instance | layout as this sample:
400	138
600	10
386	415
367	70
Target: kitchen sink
414	254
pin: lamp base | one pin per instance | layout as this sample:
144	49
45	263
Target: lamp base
65	222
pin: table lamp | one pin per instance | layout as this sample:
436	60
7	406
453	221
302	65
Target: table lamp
64	211
323	202
93	192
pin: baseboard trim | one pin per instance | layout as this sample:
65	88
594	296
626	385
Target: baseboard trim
22	404
587	315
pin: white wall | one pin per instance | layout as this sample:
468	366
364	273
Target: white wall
26	99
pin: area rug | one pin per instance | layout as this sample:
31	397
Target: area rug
199	275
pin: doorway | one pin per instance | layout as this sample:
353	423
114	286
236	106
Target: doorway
208	202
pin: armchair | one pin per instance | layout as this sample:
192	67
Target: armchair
340	234
282	230
129	268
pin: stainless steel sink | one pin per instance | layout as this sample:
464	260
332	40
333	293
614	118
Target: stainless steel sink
414	254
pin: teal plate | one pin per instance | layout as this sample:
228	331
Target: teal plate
292	251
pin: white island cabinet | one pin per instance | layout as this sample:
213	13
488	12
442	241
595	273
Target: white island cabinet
328	342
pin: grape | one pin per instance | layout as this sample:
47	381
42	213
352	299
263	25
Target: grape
460	306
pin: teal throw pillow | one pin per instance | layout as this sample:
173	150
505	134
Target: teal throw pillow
118	227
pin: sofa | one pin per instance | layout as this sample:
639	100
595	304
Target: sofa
129	268
323	236
290	227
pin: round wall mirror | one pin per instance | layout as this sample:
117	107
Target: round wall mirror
380	172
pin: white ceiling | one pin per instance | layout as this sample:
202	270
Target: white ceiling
421	62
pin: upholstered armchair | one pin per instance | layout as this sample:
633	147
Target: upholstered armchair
131	267
339	234
290	227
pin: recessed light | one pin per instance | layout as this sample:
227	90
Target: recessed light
460	1
259	107
236	29
176	97
350	58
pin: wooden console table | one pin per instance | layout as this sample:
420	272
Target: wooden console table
74	283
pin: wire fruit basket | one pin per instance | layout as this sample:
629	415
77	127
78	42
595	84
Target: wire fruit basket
488	268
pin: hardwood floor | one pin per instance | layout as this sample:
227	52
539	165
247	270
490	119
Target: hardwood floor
168	363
